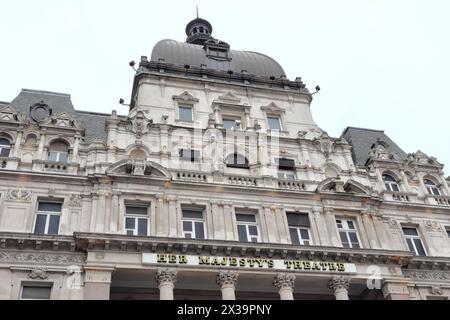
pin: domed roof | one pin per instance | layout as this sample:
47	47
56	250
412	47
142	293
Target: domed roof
181	53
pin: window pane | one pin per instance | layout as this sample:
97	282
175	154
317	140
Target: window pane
410	231
142	227
344	239
350	224
286	164
229	124
129	223
435	191
253	230
136	210
36	292
294	236
130	232
4	142
304	234
52	156
419	247
298	219
254	239
353	237
274	123
410	244
448	233
187	226
242	233
5	152
63	157
53	226
41	219
199	231
355	245
185	113
193	213
245	217
49	207
188	235
395	187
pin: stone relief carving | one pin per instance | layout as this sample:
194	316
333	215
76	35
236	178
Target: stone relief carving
420	157
325	144
19	195
393	224
38	274
339	283
74	200
427	275
63	119
166	275
139	124
436	290
42	258
98	276
432	226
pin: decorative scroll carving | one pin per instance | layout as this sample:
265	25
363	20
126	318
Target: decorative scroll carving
227	278
325	144
166	275
427	275
41	258
391	223
436	290
139	124
339	283
284	280
38	274
19	195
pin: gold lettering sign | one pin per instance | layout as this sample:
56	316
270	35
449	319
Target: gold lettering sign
253	263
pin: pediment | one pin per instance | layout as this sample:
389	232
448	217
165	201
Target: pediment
63	119
8	113
272	107
230	97
185	97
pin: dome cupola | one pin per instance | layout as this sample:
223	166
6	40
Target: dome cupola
198	31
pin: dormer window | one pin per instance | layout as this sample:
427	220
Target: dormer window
5	147
390	183
431	187
218	53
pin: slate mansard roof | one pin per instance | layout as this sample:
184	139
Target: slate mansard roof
362	141
93	123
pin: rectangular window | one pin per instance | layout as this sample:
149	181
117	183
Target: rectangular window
413	240
36	291
231	123
448	231
185	113
47	218
193	223
274	123
348	233
286	169
247	226
189	155
299	228
58	156
136	220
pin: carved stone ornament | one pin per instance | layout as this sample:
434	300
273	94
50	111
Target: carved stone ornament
427	275
42	258
284	280
19	195
40	111
38	274
63	119
392	223
380	152
227	278
8	114
432	226
166	275
102	276
139	124
420	157
339	283
325	144
74	200
436	290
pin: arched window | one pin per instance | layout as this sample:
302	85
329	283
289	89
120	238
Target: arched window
58	152
390	183
5	147
201	29
236	160
432	187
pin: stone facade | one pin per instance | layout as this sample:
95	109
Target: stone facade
93	167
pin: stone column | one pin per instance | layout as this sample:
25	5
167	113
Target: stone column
227	281
76	146
321	227
285	283
162	224
114	223
173	226
395	290
229	220
269	217
41	149
166	279
218	221
331	226
18	144
370	229
339	285
97	283
247	119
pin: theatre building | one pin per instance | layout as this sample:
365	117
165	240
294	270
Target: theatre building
215	183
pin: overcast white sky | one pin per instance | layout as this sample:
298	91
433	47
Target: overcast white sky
380	64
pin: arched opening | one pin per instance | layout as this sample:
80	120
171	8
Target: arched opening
58	152
138	154
30	140
432	188
390	183
236	160
5	147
